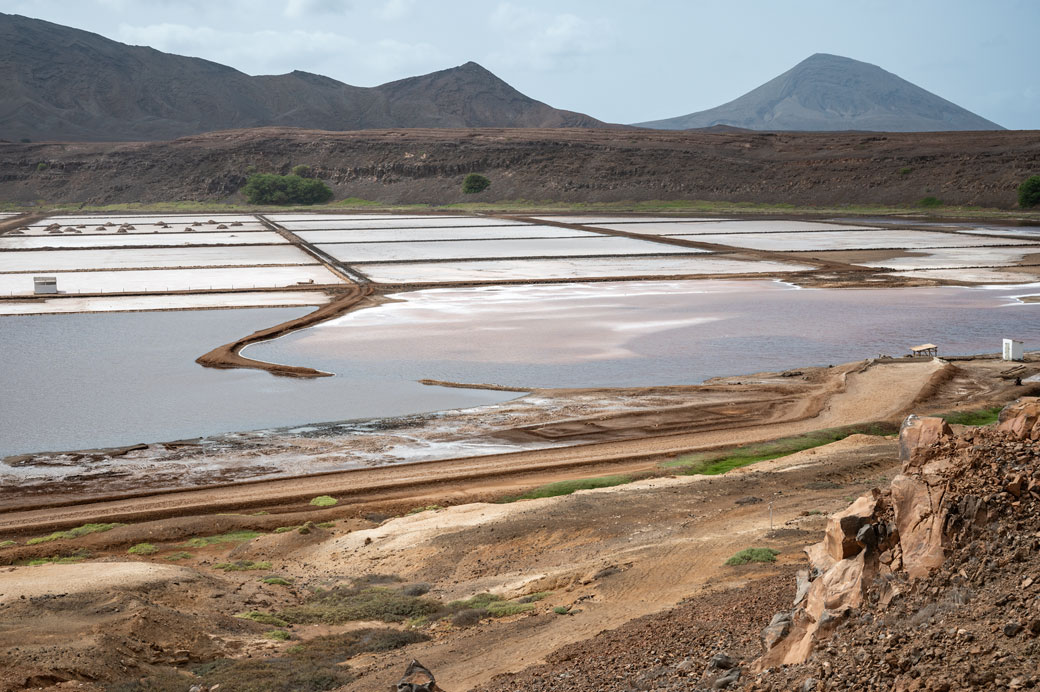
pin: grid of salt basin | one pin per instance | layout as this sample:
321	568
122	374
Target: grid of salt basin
156	254
428	249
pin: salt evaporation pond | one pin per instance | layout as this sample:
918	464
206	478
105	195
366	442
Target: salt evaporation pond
102	380
650	333
81	381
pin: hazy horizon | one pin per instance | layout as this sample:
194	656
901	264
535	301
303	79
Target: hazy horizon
618	63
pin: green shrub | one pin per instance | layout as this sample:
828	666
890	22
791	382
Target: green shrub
717	462
7	544
905	170
1029	192
42	166
279	635
229	537
493	604
268	188
568	487
324	501
753	555
562	610
303	170
180	555
360	602
72	533
56	560
277	581
242	566
474	183
143	549
929	202
983	416
263	618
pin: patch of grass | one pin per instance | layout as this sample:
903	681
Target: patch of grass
427	508
278	635
567	487
720	461
7	544
73	533
356	202
324	501
325	524
360	601
495	605
562	610
984	416
534	597
929	202
277	581
179	555
905	170
143	549
242	566
56	560
262	618
748	555
285	529
229	537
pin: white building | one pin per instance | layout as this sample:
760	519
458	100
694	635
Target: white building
45	284
1012	349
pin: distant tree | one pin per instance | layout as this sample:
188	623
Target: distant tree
267	188
303	170
474	183
1029	192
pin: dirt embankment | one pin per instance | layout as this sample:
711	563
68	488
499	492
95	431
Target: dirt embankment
228	356
427	166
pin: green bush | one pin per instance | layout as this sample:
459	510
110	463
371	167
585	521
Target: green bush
357	602
229	537
143	549
474	183
930	202
1029	192
268	188
303	170
753	555
242	566
324	501
72	533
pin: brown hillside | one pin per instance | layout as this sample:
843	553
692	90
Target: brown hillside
587	165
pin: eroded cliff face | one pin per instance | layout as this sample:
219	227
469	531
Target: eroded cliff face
960	517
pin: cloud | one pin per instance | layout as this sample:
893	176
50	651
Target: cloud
547	41
395	10
277	52
303	8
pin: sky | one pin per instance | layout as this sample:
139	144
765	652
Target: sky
619	61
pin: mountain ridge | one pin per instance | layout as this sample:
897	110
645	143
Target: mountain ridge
63	83
833	93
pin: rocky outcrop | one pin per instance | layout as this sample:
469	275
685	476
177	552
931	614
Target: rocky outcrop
888	540
416	678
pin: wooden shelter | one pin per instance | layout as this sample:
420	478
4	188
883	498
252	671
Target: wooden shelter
924	350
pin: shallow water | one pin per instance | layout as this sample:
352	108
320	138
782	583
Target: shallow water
84	381
81	381
625	334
